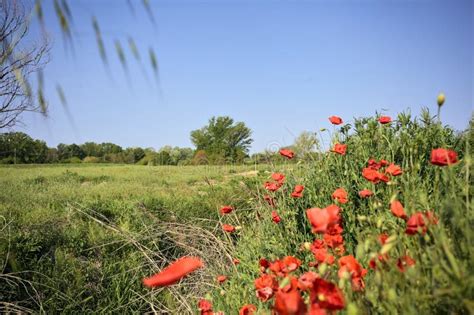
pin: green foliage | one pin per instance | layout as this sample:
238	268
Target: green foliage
222	140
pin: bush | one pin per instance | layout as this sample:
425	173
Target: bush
91	159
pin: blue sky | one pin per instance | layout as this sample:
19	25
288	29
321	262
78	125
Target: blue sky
280	66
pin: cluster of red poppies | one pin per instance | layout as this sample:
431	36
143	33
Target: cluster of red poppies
281	281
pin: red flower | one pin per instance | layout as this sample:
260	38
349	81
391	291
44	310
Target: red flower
335	120
205	307
393	170
174	272
305	281
290	263
269	200
279	177
321	219
404	262
275	217
228	228
340	195
351	265
383	238
248	309
333	238
221	278
373	175
288	300
326	295
287	153
339	148
381	259
365	193
320	252
272	186
264	264
265	286
443	157
385	120
418	222
226	209
235	261
397	209
297	191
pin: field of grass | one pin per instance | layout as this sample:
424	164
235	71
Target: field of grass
80	239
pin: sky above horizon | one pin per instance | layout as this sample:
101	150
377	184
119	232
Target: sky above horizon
281	67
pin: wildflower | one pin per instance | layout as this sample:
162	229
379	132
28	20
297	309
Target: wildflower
221	279
174	272
287	153
321	219
326	295
393	170
265	285
235	261
397	209
305	281
228	228
320	252
383	238
226	209
440	100
335	120
288	300
248	309
275	217
272	186
290	263
340	195
350	265
374	176
365	193
333	238
443	157
418	223
385	120
205	307
279	177
339	148
297	191
404	262
382	258
264	264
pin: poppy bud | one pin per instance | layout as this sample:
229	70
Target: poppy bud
441	99
307	245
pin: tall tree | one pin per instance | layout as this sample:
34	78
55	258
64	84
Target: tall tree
222	138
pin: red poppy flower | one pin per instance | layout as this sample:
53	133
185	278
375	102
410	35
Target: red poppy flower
264	264
248	309
290	263
335	120
321	219
221	278
334	240
297	191
226	209
374	176
381	258
383	238
385	120
265	285
272	186
305	281
339	148
279	177
287	153
320	252
397	209
365	193
228	228
326	295
275	217
418	222
351	265
235	261
404	262
443	157
269	200
383	163
174	272
205	307
340	195
288	300
393	170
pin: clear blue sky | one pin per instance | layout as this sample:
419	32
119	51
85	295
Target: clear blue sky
280	66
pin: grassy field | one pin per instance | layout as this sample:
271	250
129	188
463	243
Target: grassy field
80	238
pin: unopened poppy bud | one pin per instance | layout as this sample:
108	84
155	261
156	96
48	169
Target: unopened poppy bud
362	218
392	295
307	245
322	268
441	99
352	309
222	292
238	228
379	223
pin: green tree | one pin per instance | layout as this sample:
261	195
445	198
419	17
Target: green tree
223	138
305	143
